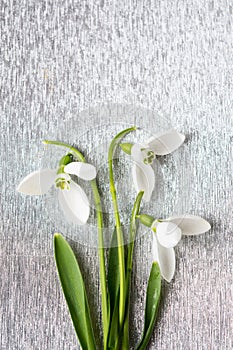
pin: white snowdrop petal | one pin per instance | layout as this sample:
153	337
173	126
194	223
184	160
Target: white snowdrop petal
166	142
190	224
143	179
136	153
69	215
85	171
38	182
74	204
165	258
168	234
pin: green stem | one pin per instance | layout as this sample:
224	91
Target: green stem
101	260
120	240
78	154
98	207
135	211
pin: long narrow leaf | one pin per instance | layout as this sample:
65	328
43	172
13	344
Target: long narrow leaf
113	270
113	292
152	302
74	291
132	232
114	330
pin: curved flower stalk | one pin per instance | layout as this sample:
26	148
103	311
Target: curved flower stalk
72	198
167	234
143	156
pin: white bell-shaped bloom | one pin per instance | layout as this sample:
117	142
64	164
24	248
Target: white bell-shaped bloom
167	234
143	156
71	196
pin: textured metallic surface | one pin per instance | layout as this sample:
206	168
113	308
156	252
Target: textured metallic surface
172	57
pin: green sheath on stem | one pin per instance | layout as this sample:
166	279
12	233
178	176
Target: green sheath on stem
126	147
146	219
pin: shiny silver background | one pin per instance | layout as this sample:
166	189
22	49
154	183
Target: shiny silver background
61	57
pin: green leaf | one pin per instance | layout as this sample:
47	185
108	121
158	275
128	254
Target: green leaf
114	330
113	290
74	291
113	270
152	302
132	236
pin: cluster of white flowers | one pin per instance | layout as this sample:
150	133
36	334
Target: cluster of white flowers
75	204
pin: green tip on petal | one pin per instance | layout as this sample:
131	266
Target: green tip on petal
126	147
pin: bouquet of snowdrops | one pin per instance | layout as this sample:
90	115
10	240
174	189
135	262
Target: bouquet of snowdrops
115	274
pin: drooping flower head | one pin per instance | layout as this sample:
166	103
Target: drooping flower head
72	198
167	234
143	156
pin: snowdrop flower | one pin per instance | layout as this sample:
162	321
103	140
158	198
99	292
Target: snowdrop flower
71	196
144	154
167	234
